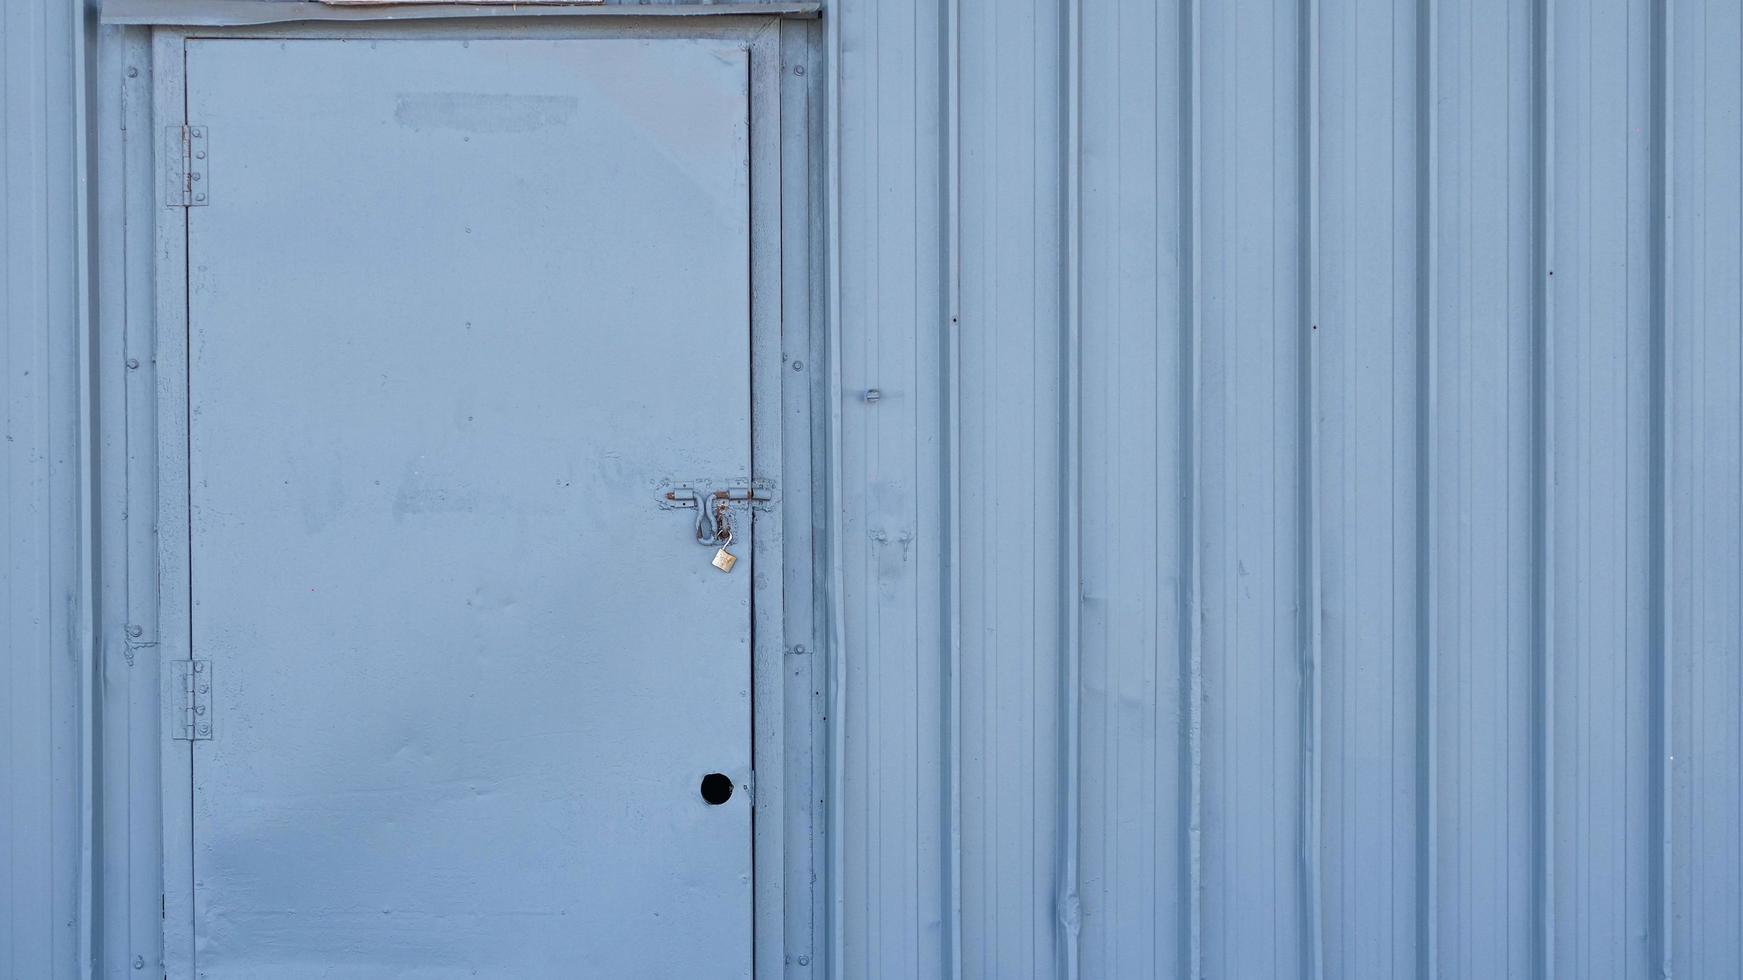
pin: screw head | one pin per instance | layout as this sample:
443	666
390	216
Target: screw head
199	197
133	363
134	73
798	69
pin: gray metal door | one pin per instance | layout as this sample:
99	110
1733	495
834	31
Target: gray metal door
456	310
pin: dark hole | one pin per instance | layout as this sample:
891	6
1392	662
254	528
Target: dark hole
716	788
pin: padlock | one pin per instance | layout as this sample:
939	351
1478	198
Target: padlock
724	560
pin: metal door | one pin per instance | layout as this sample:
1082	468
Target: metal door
455	311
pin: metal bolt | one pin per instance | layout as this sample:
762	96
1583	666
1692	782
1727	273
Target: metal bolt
798	69
138	961
804	960
200	155
205	729
199	709
199	668
136	631
199	132
872	395
134	73
199	197
196	176
133	363
798	365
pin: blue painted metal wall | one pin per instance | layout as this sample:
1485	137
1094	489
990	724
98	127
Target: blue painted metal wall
1347	392
1299	529
43	828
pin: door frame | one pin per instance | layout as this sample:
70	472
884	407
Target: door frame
150	334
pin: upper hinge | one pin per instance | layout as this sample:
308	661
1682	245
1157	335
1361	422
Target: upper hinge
189	684
186	183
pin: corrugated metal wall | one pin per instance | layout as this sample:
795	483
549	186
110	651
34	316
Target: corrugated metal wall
41	828
1299	526
1348	391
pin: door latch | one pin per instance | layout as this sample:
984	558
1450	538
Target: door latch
714	512
683	496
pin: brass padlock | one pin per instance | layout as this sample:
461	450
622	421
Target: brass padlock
724	560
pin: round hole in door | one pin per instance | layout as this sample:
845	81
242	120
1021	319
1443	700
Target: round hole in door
716	788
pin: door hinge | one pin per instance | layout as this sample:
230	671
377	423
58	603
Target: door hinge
186	178
189	690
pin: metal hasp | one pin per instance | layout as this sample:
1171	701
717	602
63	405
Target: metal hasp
714	523
190	699
185	183
685	495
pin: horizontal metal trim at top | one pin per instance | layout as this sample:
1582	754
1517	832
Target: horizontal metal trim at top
246	13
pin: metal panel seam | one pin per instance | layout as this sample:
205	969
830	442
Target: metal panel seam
1310	603
1192	639
1542	408
1070	913
1659	505
1428	666
953	491
836	730
88	514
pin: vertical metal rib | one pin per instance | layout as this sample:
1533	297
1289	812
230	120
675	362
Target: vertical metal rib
836	728
1072	604
1659	504
1191	524
1542	407
953	488
1428	474
1309	476
89	622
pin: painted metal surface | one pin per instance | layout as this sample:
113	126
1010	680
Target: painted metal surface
1408	576
468	672
45	870
141	920
1399	392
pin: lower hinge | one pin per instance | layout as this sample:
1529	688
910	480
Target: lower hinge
188	697
185	173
